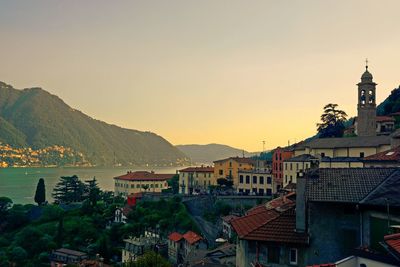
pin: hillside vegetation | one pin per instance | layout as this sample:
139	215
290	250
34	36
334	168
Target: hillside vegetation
35	118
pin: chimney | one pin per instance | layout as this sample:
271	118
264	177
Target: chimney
301	203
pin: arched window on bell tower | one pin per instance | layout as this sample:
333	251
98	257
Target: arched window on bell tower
362	98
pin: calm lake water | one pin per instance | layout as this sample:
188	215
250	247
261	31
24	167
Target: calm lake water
19	184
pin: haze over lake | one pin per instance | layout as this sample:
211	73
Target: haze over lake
19	184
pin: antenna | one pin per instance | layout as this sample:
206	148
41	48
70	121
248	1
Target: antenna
263	146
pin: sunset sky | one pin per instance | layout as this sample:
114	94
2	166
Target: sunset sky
230	72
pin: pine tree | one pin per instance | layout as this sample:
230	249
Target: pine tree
332	122
93	191
40	195
69	189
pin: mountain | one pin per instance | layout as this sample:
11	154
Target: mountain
208	153
35	118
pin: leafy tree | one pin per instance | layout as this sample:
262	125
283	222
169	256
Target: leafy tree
174	184
69	189
17	255
222	181
149	259
5	204
332	122
60	232
40	195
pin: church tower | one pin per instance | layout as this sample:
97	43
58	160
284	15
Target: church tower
366	119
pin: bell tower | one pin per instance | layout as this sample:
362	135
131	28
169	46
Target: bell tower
366	119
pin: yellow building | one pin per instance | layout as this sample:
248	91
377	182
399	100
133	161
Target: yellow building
229	168
196	179
292	167
141	181
255	182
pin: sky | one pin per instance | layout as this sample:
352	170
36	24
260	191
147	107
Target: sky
199	72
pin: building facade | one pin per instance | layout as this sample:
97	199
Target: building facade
141	181
255	183
279	156
230	167
294	165
196	179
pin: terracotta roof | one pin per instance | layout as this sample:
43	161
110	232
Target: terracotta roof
198	169
144	176
270	226
175	237
388	155
70	252
347	185
238	159
393	241
192	237
385	119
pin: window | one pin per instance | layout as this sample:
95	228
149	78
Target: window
152	185
230	163
269	191
261	191
132	186
240	190
221	172
183	174
241	179
273	254
269	180
361	154
322	154
138	186
261	179
156	185
286	179
205	175
285	166
247	179
297	166
254	179
254	190
291	166
293	256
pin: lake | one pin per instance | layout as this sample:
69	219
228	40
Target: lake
19	184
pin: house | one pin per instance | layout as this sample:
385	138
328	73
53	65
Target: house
346	208
267	236
141	181
227	230
255	182
179	246
294	165
196	179
63	256
341	162
121	214
280	155
175	248
137	246
228	168
388	158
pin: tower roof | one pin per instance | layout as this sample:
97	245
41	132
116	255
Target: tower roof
367	76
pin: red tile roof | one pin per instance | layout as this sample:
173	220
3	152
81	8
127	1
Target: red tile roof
192	237
175	237
384	119
144	176
393	241
388	155
273	222
198	169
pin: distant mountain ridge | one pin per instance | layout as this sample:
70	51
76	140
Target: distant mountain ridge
206	154
34	118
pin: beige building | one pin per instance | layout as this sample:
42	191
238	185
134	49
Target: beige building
255	182
196	179
229	168
341	162
362	146
141	181
137	246
292	167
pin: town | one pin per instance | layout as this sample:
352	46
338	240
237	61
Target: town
330	200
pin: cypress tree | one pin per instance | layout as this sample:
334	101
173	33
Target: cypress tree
40	195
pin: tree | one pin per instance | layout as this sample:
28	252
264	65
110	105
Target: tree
93	191
69	189
5	204
332	122
149	259
174	184
59	238
40	195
